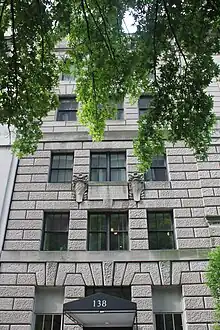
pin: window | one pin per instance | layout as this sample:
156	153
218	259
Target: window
67	109
214	229
167	308
160	230
48	322
158	169
119	113
168	321
61	168
108	231
67	77
117	291
143	104
55	235
48	314
108	166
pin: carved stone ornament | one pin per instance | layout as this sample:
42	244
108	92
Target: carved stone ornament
136	186
80	187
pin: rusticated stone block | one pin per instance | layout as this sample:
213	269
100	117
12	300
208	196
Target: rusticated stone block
39	270
196	290
63	269
97	273
7	267
84	269
131	269
24	304
74	291
119	273
141	291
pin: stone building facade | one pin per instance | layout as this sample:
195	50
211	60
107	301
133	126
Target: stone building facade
167	284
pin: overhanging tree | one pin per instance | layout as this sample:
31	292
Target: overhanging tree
169	56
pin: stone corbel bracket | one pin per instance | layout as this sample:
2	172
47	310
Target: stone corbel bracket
136	186
80	187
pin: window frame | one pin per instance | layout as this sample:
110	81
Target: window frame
67	111
108	167
164	324
58	168
47	314
151	174
171	230
108	230
142	110
44	232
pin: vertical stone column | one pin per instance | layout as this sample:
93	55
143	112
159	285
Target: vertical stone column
141	294
78	230
73	292
138	233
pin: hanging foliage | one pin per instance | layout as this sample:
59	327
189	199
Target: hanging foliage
169	55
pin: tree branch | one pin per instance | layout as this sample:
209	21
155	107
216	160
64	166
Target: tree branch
105	28
42	35
90	51
173	32
101	34
3	8
14	46
155	48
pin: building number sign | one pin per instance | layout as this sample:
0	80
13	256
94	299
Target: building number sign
99	303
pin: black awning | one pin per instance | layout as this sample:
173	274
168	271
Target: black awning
101	310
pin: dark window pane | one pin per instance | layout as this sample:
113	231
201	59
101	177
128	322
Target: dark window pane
117	174
119	222
164	221
159	161
55	161
159	322
99	175
68	176
55	241
61	176
47	322
120	114
119	241
39	322
69	161
148	175
68	104
117	160
66	115
165	240
56	222
56	322
152	224
159	174
97	241
178	321
169	322
53	176
99	160
153	243
97	222
142	112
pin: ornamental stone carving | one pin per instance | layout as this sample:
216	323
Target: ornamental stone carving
136	186
80	187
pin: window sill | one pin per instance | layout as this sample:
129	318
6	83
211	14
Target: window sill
108	183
